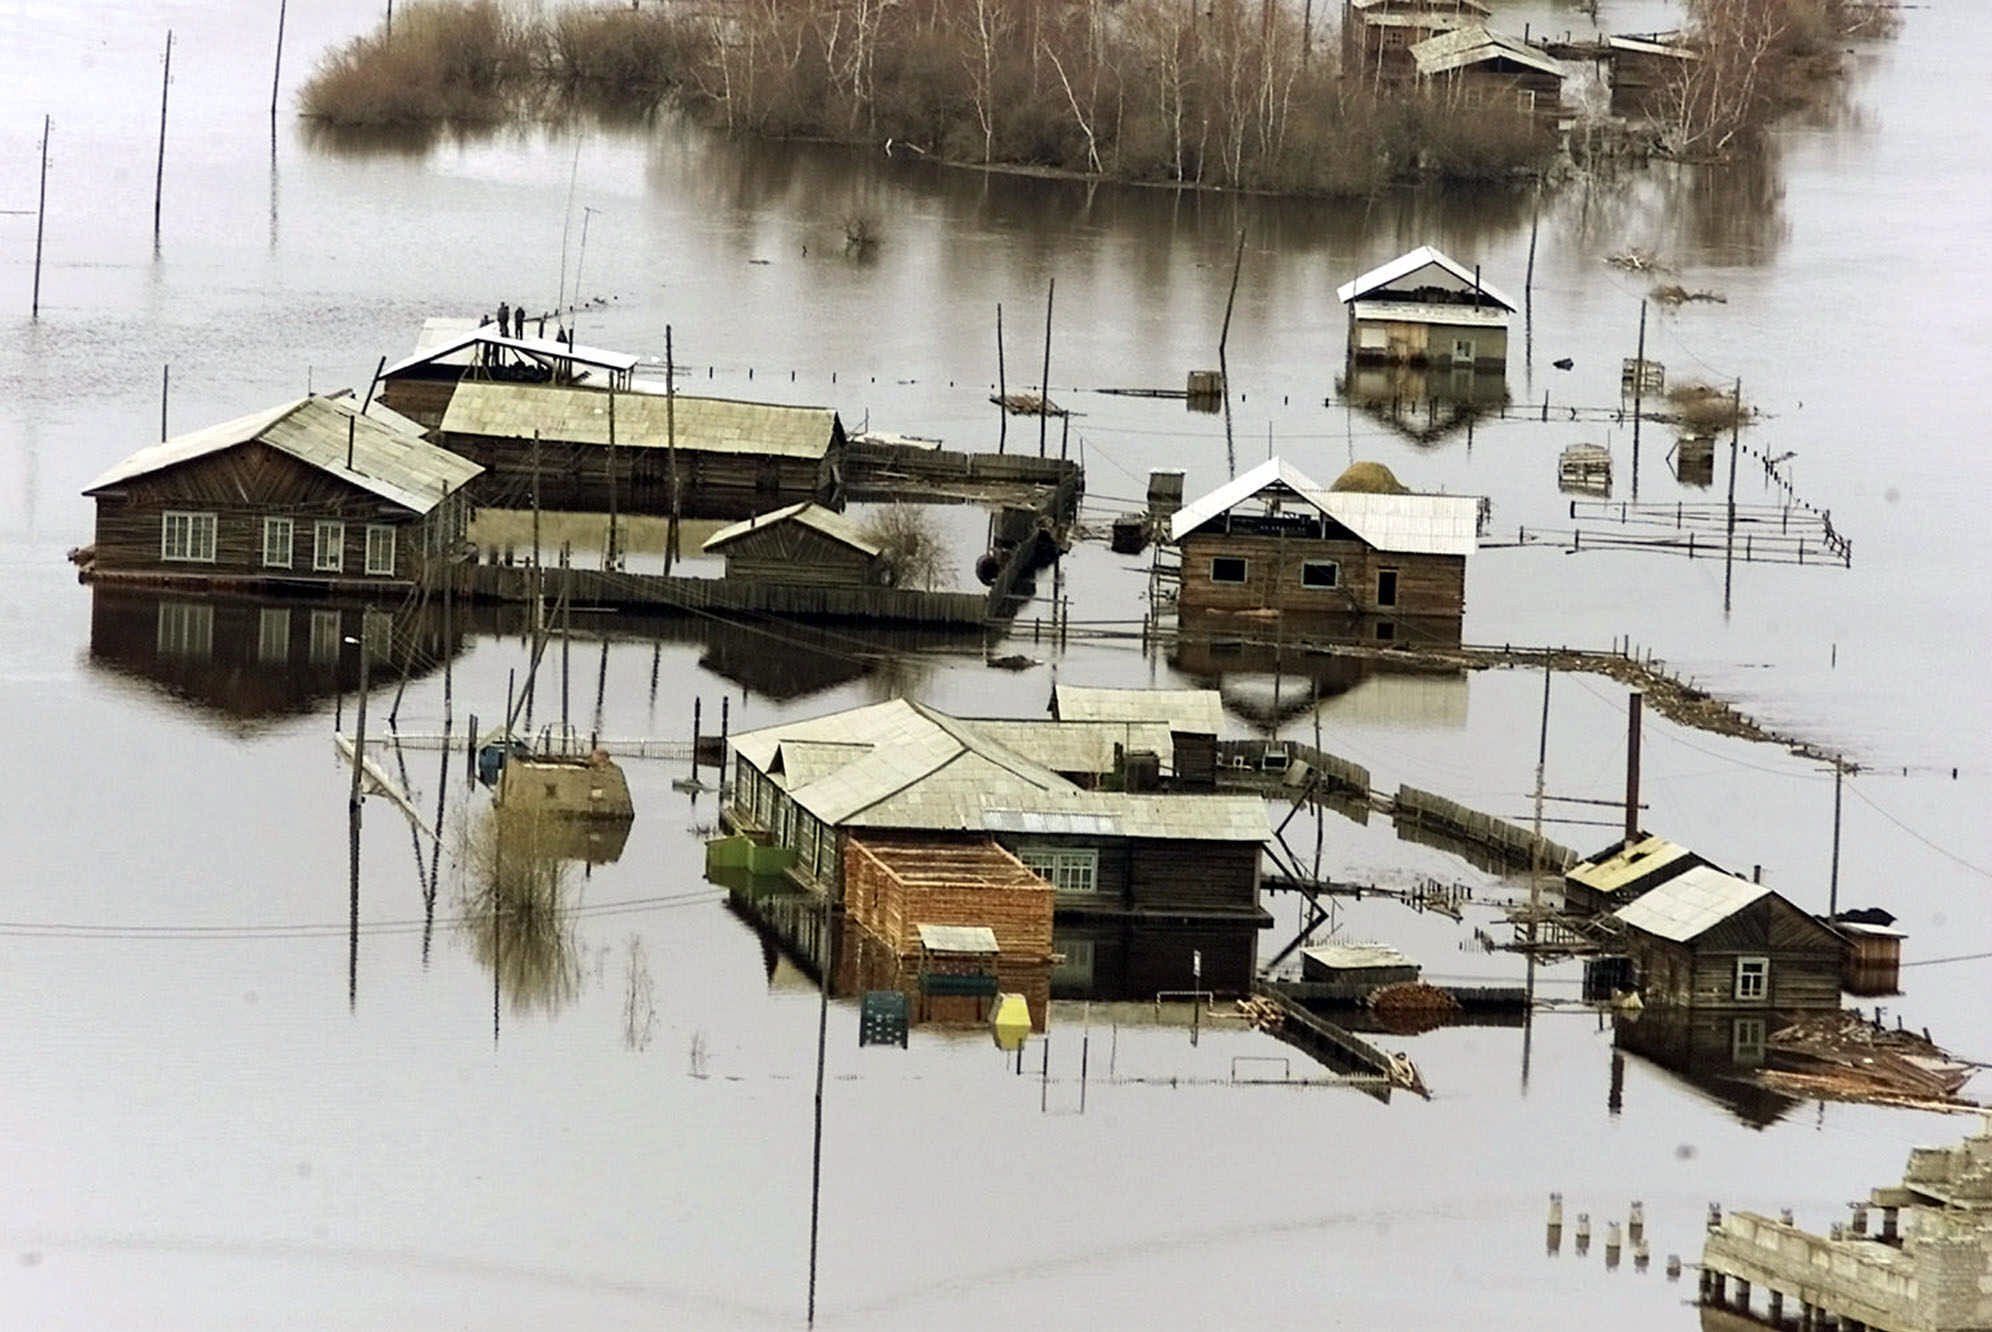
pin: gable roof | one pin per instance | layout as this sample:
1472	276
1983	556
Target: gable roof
1196	711
387	460
1690	904
838	527
1398	524
439	343
1654	45
1619	865
1404	265
1073	746
643	420
1476	45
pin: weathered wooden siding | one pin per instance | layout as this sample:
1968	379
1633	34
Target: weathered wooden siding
1804	962
1426	584
1189	879
791	552
421	400
589	476
1408	342
661	592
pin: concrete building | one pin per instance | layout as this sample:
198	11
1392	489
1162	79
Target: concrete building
1425	308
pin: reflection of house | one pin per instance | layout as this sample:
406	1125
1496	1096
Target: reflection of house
733	458
1707	940
1427	309
1136	960
1621	872
1717	1053
1269	675
899	767
450	351
802	543
1492	69
1423	403
1274	540
1377	35
311	493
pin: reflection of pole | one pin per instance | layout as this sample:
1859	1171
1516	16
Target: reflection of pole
816	1148
159	175
1044	383
671	447
41	213
1638	396
1002	389
1223	362
1833	881
353	799
1729	545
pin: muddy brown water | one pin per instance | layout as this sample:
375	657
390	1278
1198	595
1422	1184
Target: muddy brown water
199	1129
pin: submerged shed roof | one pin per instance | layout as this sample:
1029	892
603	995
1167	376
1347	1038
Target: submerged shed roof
1073	746
840	528
1197	711
1478	45
1615	868
1690	904
1400	524
391	461
1425	256
643	420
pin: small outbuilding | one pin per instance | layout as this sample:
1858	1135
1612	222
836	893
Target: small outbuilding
314	492
1377	35
1492	70
802	543
1646	72
450	351
1358	964
1621	872
1274	539
1425	308
1706	940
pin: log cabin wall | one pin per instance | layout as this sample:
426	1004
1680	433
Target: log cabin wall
1803	956
795	553
1150	876
583	478
1274	567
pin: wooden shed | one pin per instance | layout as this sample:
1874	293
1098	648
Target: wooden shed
313	493
1873	957
1275	540
449	351
592	447
1426	308
1621	872
1377	35
800	543
1492	70
1646	72
1707	940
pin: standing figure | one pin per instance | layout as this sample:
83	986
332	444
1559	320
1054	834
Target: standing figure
504	320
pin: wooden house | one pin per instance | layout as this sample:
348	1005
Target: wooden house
1646	72
593	449
1377	35
311	494
1706	940
1621	872
1491	70
1136	959
903	768
1190	721
1425	308
1273	540
449	351
800	543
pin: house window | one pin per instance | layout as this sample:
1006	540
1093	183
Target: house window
1386	587
1753	975
272	634
1227	569
1463	349
278	537
1067	869
1746	1041
1386	630
186	537
328	547
1320	573
186	629
380	549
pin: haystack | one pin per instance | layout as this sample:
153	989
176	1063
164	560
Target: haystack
1369	478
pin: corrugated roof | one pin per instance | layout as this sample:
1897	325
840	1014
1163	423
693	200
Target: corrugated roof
1652	46
1197	711
400	467
1475	45
1607	873
1406	264
1357	956
1435	6
455	348
1398	524
838	527
1074	746
1690	904
977	939
643	420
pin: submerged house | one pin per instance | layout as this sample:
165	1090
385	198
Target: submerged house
451	351
1426	308
1646	72
313	493
801	543
1275	540
589	448
824	785
1491	69
1377	35
1708	941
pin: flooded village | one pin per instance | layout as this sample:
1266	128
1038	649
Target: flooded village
961	674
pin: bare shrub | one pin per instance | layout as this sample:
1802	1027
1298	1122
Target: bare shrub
447	60
910	545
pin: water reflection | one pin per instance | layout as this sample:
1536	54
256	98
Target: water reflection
1715	1053
514	899
1426	405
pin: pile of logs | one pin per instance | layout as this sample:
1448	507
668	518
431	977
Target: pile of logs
1845	1057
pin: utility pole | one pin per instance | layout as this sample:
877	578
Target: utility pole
277	74
1638	397
165	390
1002	389
159	175
1729	548
41	213
1044	383
822	1045
353	799
671	447
1833	881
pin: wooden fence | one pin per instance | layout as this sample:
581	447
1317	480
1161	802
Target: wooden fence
1513	842
595	587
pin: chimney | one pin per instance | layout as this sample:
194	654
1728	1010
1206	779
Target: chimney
1636	702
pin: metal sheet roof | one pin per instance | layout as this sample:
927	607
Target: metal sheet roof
400	467
1357	956
838	527
1399	524
1652	46
1406	264
1431	6
1074	746
643	420
1197	711
444	345
1430	312
1690	904
1475	45
976	939
1609	873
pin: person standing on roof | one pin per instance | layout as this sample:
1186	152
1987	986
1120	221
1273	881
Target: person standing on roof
504	320
519	322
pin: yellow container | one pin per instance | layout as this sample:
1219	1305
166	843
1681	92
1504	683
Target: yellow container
1010	1022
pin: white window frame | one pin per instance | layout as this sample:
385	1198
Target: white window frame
1244	570
273	630
1746	1041
191	527
186	629
1334	568
1068	869
320	547
272	528
1753	978
376	532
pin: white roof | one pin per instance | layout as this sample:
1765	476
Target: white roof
979	939
1357	956
836	526
1690	904
1653	46
1196	711
1404	265
1400	524
395	463
1475	44
501	410
439	343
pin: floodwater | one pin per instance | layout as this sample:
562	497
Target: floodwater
217	1113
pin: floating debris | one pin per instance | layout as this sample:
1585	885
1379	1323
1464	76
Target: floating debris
1027	404
1585	469
1842	1056
1673	293
1636	260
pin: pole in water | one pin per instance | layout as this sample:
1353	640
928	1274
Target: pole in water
1044	382
159	174
277	74
816	1147
1729	550
41	213
1833	879
1002	389
353	799
165	390
1638	396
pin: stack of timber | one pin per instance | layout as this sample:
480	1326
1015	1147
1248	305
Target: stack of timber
1409	1007
1841	1056
894	885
